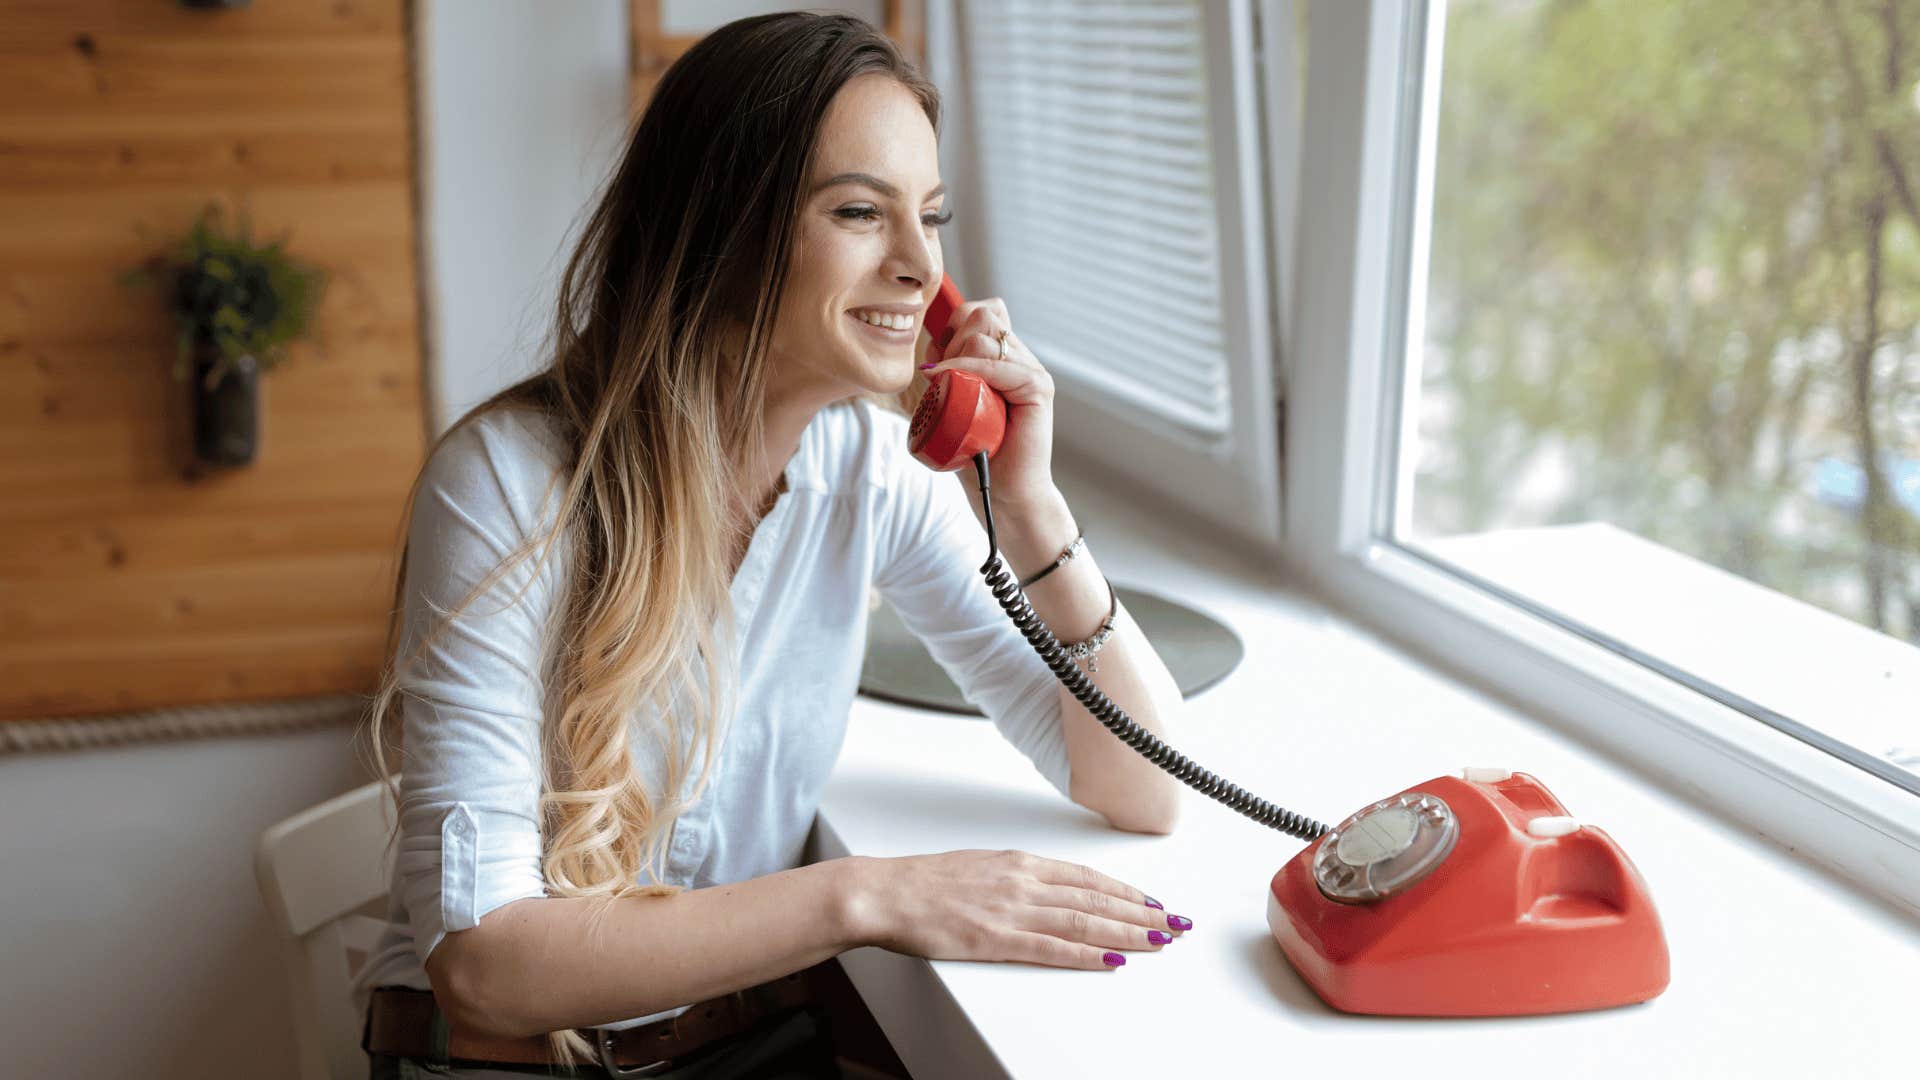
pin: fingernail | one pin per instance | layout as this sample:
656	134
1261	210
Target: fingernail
1151	902
1113	959
1179	922
928	364
1158	938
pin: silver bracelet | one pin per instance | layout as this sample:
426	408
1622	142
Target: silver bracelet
1073	549
1086	649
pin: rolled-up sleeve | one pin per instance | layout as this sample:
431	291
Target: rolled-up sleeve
929	570
473	700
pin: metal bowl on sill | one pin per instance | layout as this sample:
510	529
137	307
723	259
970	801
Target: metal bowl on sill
1198	649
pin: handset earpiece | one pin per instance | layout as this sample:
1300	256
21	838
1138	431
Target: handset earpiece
959	415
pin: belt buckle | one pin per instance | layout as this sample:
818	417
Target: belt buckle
603	1042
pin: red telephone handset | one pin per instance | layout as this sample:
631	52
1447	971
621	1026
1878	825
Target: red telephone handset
959	415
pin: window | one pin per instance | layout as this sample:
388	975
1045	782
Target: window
1106	167
1607	382
1099	171
1672	305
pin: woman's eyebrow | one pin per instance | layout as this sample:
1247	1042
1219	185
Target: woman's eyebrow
868	180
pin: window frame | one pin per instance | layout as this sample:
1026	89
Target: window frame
1364	188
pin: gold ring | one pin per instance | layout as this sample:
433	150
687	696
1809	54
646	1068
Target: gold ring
1002	335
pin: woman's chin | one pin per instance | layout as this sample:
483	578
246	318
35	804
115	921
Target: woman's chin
879	371
888	376
902	380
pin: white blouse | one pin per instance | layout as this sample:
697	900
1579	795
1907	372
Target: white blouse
858	510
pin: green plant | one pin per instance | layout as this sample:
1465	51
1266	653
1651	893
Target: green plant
225	292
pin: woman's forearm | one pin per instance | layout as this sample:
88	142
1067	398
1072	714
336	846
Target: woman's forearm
541	964
1109	776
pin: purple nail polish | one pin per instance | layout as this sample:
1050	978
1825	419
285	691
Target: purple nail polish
1179	922
1158	938
1151	902
1113	959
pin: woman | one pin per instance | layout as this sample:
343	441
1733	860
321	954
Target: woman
632	605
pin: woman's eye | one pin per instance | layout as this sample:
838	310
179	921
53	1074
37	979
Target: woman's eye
868	213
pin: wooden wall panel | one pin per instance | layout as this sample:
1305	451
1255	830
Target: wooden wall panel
130	577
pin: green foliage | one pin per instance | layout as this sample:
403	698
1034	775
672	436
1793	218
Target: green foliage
1675	256
241	299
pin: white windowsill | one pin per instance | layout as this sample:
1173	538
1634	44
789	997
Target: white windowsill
1779	969
1838	677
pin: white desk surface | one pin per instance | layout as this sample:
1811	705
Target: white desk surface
1779	970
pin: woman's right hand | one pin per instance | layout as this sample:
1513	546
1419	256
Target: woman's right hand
1003	905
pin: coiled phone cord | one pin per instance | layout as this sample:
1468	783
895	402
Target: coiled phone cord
1007	592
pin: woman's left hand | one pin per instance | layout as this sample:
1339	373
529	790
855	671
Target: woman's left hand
1023	467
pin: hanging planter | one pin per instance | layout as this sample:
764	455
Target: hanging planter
226	407
237	307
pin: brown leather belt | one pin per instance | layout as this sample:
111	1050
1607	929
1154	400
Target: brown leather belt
407	1022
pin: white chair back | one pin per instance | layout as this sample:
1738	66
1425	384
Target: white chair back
316	869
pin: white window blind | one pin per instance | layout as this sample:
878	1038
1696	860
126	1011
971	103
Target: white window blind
1091	123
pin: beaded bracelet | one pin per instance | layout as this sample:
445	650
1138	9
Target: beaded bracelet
1073	549
1086	649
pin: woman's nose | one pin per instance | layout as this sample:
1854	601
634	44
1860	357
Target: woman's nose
915	257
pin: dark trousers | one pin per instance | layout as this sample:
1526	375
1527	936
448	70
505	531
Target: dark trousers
797	1045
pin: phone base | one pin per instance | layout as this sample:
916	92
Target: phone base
1515	921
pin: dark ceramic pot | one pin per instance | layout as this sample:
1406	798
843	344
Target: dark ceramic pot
226	418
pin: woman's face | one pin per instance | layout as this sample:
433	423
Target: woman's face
865	245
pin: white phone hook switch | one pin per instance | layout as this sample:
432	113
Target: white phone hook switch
1550	826
1481	774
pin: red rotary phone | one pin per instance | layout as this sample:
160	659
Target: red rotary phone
1474	895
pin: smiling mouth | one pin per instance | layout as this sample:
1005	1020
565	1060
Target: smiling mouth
887	333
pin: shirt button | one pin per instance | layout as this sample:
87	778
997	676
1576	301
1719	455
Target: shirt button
460	827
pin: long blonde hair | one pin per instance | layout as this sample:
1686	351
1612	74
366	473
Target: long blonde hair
655	388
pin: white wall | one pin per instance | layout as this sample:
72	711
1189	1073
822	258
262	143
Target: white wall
528	113
699	16
127	898
526	109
